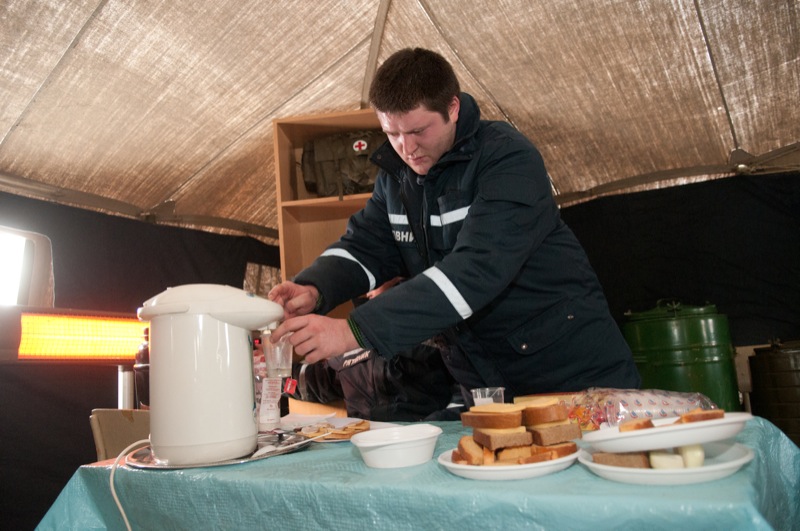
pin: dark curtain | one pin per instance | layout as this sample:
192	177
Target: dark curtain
732	242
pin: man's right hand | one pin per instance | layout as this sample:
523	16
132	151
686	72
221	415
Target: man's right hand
296	299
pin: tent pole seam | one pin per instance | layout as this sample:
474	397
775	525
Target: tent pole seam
57	68
374	48
716	73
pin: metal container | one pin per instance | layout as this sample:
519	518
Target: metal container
775	373
686	349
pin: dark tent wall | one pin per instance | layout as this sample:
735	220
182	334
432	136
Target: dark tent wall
103	263
732	242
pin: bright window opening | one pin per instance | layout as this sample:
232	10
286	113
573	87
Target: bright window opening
12	249
26	269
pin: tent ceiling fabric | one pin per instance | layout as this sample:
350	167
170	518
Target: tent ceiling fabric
164	110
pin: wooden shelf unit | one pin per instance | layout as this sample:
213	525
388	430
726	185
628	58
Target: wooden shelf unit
308	224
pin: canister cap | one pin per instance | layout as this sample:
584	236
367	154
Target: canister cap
780	347
671	309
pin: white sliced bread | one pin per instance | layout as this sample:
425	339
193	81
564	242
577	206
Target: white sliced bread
478	419
470	451
497	407
534	415
545	436
635	424
626	459
497	439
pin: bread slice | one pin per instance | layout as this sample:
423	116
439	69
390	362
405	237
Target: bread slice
544	400
534	415
636	424
536	458
700	414
470	451
496	407
457	458
560	449
496	439
488	456
626	459
545	436
477	419
512	453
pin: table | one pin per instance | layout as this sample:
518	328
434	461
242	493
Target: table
327	486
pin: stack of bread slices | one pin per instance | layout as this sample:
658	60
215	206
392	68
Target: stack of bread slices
514	434
689	456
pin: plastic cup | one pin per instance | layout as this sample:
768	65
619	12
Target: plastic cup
277	357
488	395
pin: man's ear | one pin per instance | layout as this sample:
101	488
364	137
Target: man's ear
454	107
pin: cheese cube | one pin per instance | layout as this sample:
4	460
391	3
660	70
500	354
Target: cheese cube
693	455
665	459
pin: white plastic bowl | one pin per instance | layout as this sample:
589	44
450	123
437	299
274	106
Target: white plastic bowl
397	447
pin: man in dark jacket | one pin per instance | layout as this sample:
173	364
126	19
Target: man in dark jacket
463	208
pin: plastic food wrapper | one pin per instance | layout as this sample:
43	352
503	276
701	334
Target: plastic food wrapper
597	405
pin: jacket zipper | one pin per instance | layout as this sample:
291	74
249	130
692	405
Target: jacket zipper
420	243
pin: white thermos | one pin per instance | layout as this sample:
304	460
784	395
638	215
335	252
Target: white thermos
202	398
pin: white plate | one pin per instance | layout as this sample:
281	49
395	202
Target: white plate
293	421
504	472
666	434
722	460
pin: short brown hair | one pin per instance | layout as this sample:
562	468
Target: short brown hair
412	77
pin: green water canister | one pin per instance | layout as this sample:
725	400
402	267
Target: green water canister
686	349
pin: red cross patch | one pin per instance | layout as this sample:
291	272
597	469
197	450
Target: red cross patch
359	146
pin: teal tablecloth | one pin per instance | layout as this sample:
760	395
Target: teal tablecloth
327	486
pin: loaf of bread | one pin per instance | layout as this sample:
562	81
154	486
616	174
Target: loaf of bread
547	435
531	431
499	420
626	459
497	439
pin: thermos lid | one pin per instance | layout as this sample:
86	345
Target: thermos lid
225	303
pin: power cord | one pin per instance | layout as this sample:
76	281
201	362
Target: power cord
113	473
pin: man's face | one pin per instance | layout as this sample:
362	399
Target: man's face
421	136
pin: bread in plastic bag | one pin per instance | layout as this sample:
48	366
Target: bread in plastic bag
595	406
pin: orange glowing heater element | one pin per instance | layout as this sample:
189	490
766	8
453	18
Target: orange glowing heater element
53	337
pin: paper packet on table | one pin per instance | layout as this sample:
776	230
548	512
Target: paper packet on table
598	405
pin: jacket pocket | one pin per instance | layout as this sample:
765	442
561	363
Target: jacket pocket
445	226
545	329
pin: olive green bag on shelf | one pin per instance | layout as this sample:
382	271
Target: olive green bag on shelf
339	164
